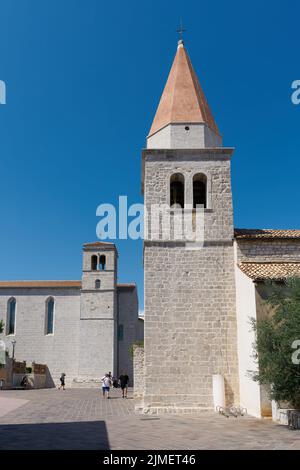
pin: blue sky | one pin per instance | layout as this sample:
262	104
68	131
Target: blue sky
84	78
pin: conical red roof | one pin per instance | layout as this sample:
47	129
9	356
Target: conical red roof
183	100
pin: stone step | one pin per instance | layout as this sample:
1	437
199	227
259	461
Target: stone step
86	383
185	410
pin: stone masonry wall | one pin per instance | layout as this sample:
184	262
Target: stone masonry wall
261	250
138	371
98	319
190	310
159	168
128	320
190	325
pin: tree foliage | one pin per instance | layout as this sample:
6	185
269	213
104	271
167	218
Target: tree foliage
275	345
136	343
1	326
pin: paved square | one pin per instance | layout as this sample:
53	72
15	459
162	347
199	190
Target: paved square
82	419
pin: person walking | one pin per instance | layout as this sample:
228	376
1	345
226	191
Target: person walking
106	384
124	381
62	381
115	382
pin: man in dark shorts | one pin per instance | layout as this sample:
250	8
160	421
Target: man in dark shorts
124	380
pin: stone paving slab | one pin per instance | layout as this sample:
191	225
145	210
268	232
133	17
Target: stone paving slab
82	419
9	404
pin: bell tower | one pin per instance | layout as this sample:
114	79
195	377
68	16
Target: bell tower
190	316
98	312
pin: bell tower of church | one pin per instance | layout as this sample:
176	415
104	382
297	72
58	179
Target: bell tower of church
98	312
190	313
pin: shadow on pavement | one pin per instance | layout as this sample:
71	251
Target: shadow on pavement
90	435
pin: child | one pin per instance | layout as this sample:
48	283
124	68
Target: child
62	381
106	383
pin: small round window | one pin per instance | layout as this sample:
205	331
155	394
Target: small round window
187	128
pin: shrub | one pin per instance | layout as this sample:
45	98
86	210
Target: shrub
275	344
136	343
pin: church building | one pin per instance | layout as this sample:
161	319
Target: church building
198	299
84	328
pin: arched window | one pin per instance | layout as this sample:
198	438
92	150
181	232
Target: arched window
102	262
94	261
49	316
199	190
177	190
97	284
11	316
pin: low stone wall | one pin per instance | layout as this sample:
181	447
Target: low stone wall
286	416
39	380
19	367
81	382
289	418
6	374
2	373
13	373
138	371
39	369
34	380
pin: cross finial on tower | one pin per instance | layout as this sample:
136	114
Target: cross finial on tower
180	31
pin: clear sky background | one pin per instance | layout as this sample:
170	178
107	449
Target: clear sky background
84	78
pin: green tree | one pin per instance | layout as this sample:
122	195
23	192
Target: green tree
276	344
1	326
132	346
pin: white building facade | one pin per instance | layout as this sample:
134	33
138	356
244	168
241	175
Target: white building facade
82	328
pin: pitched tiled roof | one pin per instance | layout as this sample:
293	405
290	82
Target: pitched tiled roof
126	286
39	284
183	100
100	244
271	271
53	284
266	233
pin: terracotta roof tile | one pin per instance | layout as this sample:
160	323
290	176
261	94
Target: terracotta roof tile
52	284
126	286
266	233
183	100
270	271
100	244
39	284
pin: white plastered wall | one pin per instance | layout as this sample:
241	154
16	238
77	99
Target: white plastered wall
246	309
184	136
